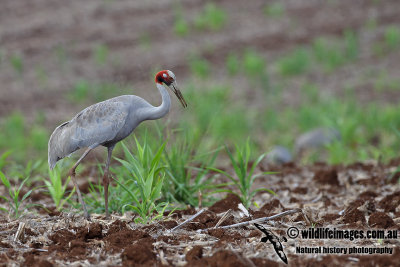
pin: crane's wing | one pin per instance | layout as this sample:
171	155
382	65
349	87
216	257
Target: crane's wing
99	123
93	126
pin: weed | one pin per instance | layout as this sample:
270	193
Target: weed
39	138
200	67
100	54
392	37
334	54
232	64
274	10
56	188
385	83
245	176
212	18
351	45
187	181
181	27
13	198
21	171
17	63
327	53
310	93
147	175
253	64
3	159
295	63
80	91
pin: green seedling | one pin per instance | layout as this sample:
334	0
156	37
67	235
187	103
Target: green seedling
392	37
14	200
148	176
274	10
253	64
27	170
101	54
80	91
212	18
232	64
3	159
188	181
181	27
17	63
200	67
244	176
56	188
295	63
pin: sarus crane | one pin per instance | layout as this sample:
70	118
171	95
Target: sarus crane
105	124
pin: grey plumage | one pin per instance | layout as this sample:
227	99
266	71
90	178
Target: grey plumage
106	123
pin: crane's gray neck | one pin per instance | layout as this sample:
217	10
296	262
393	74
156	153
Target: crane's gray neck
162	110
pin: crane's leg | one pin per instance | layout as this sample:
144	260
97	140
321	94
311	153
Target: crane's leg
72	174
106	180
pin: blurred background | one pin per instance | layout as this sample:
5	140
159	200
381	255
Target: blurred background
320	78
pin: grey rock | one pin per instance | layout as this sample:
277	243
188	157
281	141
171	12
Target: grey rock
316	138
279	155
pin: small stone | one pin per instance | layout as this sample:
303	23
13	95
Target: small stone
279	155
316	138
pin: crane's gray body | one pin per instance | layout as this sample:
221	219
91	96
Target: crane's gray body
104	123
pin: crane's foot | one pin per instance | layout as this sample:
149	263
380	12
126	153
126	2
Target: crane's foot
87	217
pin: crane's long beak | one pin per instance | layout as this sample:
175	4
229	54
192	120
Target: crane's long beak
178	94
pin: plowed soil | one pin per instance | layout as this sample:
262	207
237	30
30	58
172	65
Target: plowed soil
359	196
57	40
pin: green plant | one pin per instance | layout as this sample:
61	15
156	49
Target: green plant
327	53
13	198
392	37
3	158
186	181
350	45
148	177
245	176
57	189
333	54
200	67
80	91
21	171
101	54
212	18
17	63
253	64
297	62
181	27
232	64
16	136
274	10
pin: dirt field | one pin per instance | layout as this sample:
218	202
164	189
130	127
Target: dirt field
360	196
56	40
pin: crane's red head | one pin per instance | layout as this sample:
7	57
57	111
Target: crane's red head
167	77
